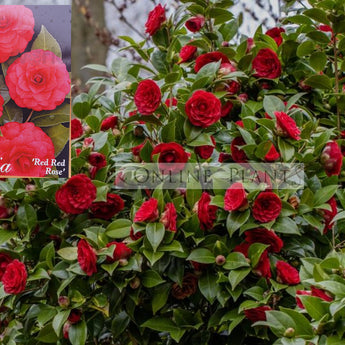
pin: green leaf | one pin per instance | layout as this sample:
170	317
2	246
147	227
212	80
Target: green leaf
303	327
287	150
272	104
235	260
119	228
318	61
151	279
46	41
208	287
235	220
168	132
236	276
155	233
319	81
324	194
286	225
158	59
194	191
202	255
316	307
119	324
59	320
12	113
160	297
59	135
47	335
81	105
78	333
97	67
220	15
279	322
255	251
26	217
317	14
59	115
334	287
334	340
68	253
305	48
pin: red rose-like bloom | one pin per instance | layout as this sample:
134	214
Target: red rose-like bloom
188	288
87	258
301	293
250	44
65	330
321	294
74	316
121	251
329	215
187	53
109	122
224	157
266	64
235	197
76	195
171	102
1	105
266	237
172	157
97	160
325	28
38	80
147	97
226	108
107	209
5	259
204	59
272	155
194	24
275	33
76	129
203	109
155	19
286	126
267	207
148	211
238	155
136	149
20	144
14	278
332	158
257	314
207	213
168	217
135	236
286	274
205	151
16	30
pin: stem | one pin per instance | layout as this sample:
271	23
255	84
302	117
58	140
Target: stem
336	72
28	119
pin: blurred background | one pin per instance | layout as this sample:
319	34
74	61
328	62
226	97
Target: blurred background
96	25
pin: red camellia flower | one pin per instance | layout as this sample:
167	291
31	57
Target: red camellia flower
321	294
97	160
286	126
121	251
266	64
21	144
266	237
5	259
171	102
168	217
203	109
136	149
194	24
74	316
286	274
147	97
237	154
172	157
250	44
329	215
226	108
16	30
187	53
155	20
301	293
272	155
38	80
188	288
14	278
205	151
235	197
107	209
232	86
267	207
135	236
332	158
76	129
275	33
257	314
1	105
325	28
87	257
109	122
148	211
204	59
65	330
76	195
207	213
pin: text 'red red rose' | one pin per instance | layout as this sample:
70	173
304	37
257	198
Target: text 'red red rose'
1	105
168	217
194	24
38	80
276	34
267	207
207	58
187	53
107	209
147	97
21	144
257	314
172	157
207	213
286	274
121	251
16	30
332	158
14	278
5	259
205	151
87	258
266	64
203	109
155	19
266	237
286	126
76	195
148	211
235	197
76	129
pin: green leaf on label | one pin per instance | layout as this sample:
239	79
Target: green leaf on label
46	119
46	41
59	135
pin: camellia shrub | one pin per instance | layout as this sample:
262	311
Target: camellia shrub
89	260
